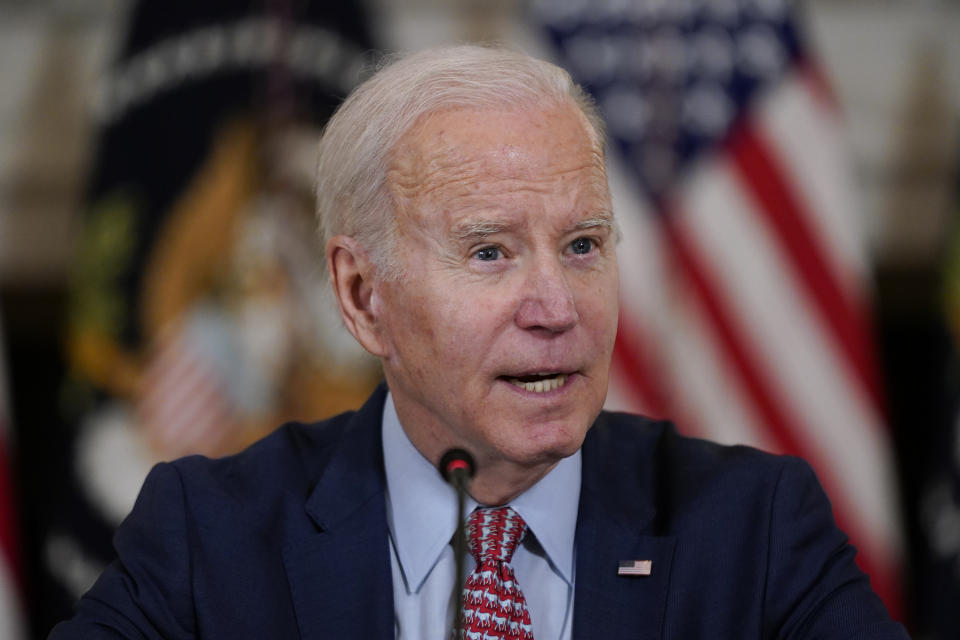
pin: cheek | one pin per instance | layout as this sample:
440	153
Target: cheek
429	335
413	329
462	329
468	328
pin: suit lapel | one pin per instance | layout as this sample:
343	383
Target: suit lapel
615	523
339	572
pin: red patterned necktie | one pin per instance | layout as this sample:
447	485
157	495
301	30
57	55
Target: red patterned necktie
493	606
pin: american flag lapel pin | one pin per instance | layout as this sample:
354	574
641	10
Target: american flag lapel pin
635	567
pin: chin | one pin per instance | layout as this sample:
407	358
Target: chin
548	449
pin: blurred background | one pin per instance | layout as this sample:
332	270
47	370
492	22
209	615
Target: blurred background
785	175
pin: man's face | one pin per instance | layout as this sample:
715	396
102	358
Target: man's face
499	334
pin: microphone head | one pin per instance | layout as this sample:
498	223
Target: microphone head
456	462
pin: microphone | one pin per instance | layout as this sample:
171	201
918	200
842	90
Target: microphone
457	467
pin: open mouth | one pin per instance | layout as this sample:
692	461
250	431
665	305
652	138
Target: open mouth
538	382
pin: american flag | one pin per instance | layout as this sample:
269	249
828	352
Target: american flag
184	407
635	567
11	603
743	269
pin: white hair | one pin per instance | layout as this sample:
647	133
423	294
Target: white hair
354	155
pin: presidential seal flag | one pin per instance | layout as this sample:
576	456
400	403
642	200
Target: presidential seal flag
199	320
744	297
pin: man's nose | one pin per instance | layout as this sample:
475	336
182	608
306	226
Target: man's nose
547	300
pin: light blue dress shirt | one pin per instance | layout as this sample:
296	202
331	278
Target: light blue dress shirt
422	513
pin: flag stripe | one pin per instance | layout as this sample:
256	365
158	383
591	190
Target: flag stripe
764	180
711	402
8	524
741	356
805	136
632	356
771	306
818	84
758	323
12	610
763	397
635	356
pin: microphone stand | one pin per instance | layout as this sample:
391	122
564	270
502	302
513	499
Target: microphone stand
459	551
457	467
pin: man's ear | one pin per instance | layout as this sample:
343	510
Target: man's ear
352	275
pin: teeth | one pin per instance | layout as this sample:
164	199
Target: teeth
547	384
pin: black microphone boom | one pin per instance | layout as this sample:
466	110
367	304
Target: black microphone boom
457	467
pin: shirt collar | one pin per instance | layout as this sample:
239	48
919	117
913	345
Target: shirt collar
550	510
422	507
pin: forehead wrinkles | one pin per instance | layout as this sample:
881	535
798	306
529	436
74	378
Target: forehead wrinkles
420	169
449	171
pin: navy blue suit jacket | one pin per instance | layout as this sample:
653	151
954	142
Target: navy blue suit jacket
289	540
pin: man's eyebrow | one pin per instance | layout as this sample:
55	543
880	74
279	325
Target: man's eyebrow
604	219
478	229
481	228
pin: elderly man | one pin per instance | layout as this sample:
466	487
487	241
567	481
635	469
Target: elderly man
471	246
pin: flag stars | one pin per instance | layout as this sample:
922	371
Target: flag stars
707	110
671	55
724	11
768	9
713	50
671	75
596	58
760	52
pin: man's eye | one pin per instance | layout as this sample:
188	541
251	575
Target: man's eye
581	245
487	254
